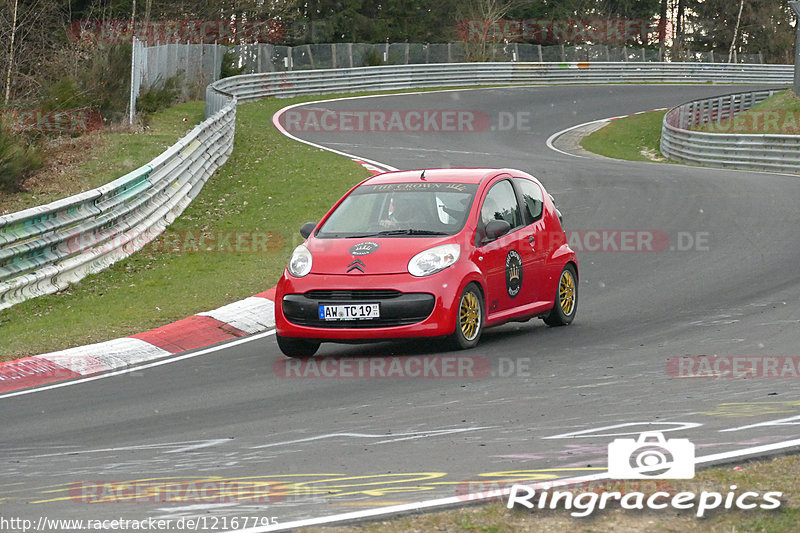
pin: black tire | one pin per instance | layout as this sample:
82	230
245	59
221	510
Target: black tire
566	302
300	348
469	320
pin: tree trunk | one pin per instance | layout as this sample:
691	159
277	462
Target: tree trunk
736	31
11	50
679	30
662	27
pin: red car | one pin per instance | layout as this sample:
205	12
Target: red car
428	253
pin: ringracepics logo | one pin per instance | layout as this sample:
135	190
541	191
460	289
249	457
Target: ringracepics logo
650	456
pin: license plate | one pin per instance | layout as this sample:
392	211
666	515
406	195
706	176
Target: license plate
349	312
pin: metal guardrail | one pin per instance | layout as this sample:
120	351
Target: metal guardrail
45	248
396	77
771	153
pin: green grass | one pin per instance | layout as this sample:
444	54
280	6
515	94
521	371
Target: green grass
633	138
777	115
269	184
108	156
780	474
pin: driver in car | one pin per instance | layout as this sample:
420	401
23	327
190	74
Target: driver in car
400	213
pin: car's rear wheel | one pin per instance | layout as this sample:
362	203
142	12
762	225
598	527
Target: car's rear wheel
292	347
469	322
566	302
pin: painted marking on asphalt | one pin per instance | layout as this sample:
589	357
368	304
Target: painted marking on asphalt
791	421
414	434
739	409
587	433
183	447
200	445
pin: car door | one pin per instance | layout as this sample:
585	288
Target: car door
502	257
535	242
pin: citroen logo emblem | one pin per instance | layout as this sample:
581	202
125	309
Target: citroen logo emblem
356	265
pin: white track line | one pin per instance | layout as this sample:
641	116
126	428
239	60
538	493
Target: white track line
553	137
558	134
276	122
162	362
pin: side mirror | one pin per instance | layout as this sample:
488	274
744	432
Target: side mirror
307	229
497	228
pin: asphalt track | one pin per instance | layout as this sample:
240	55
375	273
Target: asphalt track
554	398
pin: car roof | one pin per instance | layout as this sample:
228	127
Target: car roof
441	175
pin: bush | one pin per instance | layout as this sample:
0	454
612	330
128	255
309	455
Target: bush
373	58
161	95
106	83
64	94
17	163
229	68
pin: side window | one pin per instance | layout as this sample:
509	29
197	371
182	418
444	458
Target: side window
533	199
501	204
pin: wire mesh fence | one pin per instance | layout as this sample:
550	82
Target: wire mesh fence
200	64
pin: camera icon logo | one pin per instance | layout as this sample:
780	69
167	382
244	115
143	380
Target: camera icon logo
651	456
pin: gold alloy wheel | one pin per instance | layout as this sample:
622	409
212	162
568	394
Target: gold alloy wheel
469	316
566	292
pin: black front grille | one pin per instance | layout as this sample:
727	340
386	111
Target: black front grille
397	308
353	295
357	324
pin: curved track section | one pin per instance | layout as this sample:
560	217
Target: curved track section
721	279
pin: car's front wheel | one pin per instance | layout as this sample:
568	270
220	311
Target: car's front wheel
292	347
566	302
469	322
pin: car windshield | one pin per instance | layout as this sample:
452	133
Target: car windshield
401	209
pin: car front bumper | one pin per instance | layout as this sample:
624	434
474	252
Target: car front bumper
409	306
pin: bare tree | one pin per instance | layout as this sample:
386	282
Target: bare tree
662	27
736	31
481	20
11	50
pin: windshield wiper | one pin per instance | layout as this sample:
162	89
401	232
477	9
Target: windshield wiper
411	231
390	232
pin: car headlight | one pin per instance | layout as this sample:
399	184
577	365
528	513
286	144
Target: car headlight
300	262
433	260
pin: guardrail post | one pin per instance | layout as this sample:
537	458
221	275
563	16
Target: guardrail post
796	8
